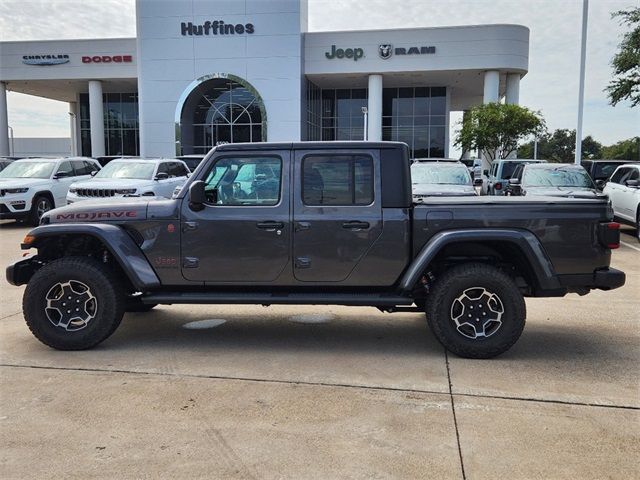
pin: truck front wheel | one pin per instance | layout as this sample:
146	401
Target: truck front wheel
476	311
73	303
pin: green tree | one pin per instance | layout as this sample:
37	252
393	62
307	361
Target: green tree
624	150
496	129
625	84
559	146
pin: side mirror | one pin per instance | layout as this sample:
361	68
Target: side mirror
485	173
161	176
197	195
600	184
93	174
514	182
632	183
61	175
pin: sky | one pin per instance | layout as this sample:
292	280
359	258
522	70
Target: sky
551	86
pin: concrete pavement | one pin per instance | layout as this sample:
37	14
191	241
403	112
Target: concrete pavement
324	392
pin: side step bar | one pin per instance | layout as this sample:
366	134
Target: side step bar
353	299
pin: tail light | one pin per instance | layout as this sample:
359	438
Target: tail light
498	186
609	234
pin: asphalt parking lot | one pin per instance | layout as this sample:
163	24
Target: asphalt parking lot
325	392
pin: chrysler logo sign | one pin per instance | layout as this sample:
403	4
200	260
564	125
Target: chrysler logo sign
45	59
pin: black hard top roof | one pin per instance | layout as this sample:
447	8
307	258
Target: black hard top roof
329	145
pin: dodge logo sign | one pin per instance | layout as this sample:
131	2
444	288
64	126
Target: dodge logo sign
108	59
385	51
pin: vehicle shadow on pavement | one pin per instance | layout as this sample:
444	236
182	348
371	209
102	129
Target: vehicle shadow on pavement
13	225
402	334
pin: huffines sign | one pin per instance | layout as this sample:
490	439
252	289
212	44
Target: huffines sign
217	27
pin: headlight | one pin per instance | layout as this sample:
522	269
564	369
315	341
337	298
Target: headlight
126	191
73	190
16	190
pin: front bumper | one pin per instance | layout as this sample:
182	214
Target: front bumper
602	279
14	208
19	272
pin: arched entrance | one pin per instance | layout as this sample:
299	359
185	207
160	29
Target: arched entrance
218	109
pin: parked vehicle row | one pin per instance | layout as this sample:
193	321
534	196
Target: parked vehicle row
30	187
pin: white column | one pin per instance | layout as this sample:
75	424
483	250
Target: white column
96	116
374	107
4	120
73	118
512	95
491	86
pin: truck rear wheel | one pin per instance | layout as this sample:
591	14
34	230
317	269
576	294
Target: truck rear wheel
73	303
476	311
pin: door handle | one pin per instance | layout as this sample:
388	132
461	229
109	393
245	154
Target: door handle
270	226
189	226
355	225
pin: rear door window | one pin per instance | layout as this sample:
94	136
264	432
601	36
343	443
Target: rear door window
337	180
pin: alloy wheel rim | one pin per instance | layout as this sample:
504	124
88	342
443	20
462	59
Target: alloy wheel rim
71	305
42	207
477	313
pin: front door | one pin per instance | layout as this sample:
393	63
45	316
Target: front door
242	235
337	213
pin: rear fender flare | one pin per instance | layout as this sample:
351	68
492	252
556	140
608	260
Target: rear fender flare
526	241
121	246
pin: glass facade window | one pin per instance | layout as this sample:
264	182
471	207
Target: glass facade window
219	111
341	112
121	130
416	116
314	112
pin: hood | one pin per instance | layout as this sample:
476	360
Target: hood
112	183
570	192
432	190
119	209
23	182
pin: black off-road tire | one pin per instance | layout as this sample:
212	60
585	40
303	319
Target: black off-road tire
466	278
103	286
34	215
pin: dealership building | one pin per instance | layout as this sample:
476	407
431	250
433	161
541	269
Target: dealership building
201	73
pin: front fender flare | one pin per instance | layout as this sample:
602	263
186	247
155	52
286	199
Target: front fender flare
121	246
526	241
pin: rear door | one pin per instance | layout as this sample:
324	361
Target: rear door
337	213
243	234
614	189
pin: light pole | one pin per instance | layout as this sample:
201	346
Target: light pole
583	57
535	148
365	112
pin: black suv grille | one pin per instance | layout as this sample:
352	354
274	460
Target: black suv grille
96	192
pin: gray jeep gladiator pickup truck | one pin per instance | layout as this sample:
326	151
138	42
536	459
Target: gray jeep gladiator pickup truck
313	223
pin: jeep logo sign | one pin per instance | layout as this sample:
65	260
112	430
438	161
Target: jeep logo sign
354	53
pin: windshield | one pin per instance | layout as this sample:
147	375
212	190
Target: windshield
128	169
28	170
439	174
557	177
602	170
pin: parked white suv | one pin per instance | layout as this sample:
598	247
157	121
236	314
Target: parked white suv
31	187
623	189
132	177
